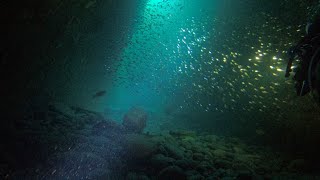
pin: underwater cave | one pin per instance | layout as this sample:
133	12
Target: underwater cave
160	89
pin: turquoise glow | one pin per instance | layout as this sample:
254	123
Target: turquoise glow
146	57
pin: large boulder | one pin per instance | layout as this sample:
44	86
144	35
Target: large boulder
135	120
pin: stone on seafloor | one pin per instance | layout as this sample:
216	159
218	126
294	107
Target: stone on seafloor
297	165
196	177
174	151
182	133
135	120
172	172
198	156
219	153
160	161
245	174
186	163
138	146
135	176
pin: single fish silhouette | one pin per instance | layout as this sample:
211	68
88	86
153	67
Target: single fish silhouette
99	94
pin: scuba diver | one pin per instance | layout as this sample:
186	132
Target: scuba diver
307	52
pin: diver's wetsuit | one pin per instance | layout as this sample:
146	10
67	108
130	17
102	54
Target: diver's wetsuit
301	74
305	49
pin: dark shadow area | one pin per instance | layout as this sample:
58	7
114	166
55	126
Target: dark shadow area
36	37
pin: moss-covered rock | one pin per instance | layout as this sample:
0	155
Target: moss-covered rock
198	156
219	153
205	168
186	163
174	151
